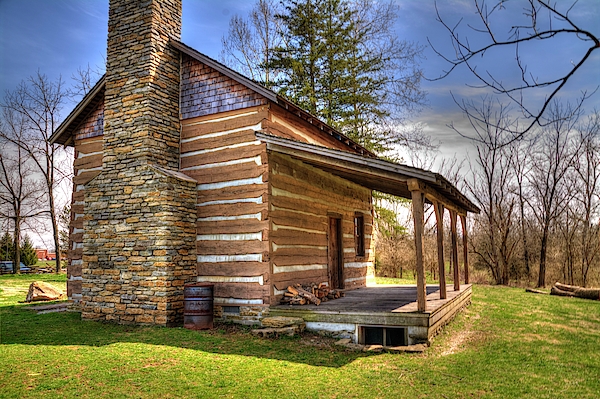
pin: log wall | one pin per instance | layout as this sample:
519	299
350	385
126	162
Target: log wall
285	124
86	166
222	153
301	199
249	234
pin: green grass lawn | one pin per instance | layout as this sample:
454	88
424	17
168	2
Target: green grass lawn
408	280
507	344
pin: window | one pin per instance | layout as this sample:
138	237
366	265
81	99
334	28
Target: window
359	234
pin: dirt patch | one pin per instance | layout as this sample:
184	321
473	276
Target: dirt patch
307	338
459	340
557	326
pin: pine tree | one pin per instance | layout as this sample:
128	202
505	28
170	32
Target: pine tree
341	61
6	247
313	63
28	253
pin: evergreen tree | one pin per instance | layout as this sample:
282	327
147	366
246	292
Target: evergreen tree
6	247
28	253
314	61
341	61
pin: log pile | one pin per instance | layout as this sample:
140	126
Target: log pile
575	291
314	293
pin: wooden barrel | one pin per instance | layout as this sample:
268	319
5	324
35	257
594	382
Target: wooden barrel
198	306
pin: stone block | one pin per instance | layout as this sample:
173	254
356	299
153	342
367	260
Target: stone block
144	319
280	321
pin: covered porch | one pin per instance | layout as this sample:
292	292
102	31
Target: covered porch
371	313
420	310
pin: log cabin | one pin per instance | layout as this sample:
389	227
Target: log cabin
187	171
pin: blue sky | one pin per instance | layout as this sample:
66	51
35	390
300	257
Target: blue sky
58	36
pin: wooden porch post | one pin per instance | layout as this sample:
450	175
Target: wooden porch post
454	251
439	216
418	217
463	222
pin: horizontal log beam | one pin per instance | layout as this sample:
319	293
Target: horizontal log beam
432	195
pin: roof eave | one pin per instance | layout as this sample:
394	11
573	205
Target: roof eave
63	134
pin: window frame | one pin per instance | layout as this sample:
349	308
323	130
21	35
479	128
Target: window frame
359	235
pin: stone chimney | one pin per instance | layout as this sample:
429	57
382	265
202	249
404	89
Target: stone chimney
139	224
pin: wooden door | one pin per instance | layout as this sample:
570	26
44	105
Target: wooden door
335	254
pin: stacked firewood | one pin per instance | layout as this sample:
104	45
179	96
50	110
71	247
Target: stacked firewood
314	293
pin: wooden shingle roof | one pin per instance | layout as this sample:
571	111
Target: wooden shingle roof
63	135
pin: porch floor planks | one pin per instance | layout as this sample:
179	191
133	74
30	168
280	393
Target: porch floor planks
383	305
381	299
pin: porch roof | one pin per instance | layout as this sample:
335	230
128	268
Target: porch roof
373	173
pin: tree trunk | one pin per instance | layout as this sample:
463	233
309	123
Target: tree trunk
56	232
17	247
543	251
524	235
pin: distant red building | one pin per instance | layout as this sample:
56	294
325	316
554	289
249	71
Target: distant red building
43	254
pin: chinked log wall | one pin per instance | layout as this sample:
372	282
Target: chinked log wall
229	163
301	200
86	166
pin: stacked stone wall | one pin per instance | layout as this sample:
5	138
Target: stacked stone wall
141	103
139	246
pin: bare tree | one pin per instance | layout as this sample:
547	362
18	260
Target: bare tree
541	22
20	194
37	102
84	80
491	187
521	165
587	192
249	43
553	157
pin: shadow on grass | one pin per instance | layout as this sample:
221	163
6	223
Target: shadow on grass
22	326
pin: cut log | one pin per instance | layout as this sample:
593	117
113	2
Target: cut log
572	290
559	292
297	301
292	290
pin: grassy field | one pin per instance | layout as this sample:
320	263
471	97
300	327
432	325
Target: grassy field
507	344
